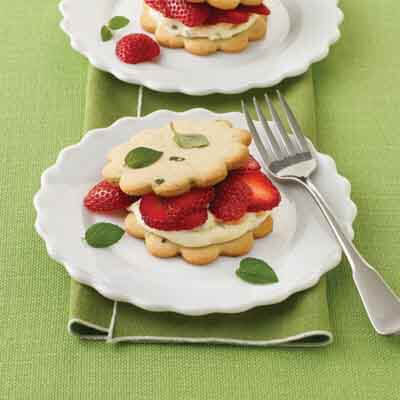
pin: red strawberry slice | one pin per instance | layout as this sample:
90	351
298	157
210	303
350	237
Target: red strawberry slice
136	48
237	16
105	197
252	165
156	214
190	14
232	198
264	195
197	14
192	220
227	16
195	199
260	9
159	5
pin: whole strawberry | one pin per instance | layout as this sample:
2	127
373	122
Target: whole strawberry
136	48
106	197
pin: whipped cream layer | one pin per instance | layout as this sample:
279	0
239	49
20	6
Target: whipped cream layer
211	232
212	32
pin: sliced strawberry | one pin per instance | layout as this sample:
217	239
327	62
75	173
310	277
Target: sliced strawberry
197	14
105	197
231	200
239	15
264	195
192	220
260	9
252	165
227	16
156	213
195	199
158	5
190	14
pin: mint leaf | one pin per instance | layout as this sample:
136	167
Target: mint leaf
118	22
106	34
189	141
103	234
253	270
142	157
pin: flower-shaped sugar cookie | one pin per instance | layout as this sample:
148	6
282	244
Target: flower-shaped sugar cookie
228	4
170	160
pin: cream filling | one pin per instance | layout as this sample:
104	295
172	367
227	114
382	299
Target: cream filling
212	32
211	232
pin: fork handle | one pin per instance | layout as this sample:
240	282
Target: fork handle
380	302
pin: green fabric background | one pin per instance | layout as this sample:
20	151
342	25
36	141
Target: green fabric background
42	89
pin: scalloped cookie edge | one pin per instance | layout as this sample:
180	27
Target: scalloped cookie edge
204	46
163	248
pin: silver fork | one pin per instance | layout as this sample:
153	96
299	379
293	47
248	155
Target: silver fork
293	160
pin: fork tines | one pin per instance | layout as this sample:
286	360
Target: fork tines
279	143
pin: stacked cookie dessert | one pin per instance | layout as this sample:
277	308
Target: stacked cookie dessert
200	193
203	27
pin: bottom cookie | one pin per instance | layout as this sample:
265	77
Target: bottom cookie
204	46
163	248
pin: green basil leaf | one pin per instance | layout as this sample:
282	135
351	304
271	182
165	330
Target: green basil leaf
142	157
159	181
118	22
253	270
175	158
106	34
103	234
189	141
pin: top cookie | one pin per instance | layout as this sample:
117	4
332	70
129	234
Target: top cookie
184	162
228	4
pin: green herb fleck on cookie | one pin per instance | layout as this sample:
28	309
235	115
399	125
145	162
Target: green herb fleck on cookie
175	158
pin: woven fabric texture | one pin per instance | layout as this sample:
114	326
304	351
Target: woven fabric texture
43	85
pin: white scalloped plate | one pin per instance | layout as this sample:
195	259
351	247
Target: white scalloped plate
300	249
299	34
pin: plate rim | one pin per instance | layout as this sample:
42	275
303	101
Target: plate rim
189	88
77	273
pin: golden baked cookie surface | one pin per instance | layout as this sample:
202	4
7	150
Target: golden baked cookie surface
179	168
163	248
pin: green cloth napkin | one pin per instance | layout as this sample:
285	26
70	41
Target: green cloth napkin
302	320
